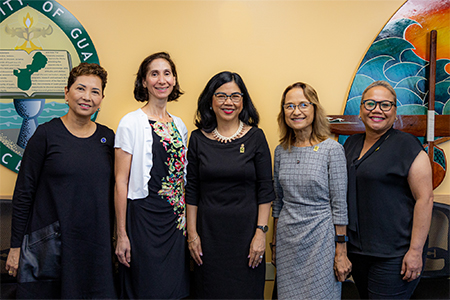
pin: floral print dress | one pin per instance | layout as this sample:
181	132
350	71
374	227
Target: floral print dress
156	225
172	184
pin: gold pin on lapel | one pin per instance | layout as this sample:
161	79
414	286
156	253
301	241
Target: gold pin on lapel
316	148
242	149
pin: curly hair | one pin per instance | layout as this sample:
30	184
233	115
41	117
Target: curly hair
86	69
205	117
141	92
320	125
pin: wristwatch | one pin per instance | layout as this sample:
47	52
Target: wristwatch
341	238
264	228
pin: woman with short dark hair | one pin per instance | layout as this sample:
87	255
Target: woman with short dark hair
63	200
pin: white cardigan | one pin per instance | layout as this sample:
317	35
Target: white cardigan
134	136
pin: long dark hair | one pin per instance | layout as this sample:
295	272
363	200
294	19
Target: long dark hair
140	92
205	117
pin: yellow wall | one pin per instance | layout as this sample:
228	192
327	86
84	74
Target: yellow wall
271	44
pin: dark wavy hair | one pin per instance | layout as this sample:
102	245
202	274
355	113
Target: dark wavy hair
320	125
86	69
140	92
206	118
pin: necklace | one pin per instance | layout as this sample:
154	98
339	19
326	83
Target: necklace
223	139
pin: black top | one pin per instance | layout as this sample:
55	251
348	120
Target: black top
245	161
380	201
227	182
71	180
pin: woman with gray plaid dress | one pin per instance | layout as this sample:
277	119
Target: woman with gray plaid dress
310	210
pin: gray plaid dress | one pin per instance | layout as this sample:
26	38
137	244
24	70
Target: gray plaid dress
311	187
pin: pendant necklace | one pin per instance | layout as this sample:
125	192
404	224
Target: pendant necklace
223	139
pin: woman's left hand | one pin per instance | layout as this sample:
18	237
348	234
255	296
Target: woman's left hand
412	265
257	249
342	265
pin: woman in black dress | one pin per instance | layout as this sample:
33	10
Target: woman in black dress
63	200
229	193
149	194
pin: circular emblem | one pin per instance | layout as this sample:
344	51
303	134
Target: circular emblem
40	42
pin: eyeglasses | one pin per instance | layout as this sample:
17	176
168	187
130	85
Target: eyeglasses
385	105
302	106
236	97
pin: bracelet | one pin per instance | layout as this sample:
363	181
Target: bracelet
193	239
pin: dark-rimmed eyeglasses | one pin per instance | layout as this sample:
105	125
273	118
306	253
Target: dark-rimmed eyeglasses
235	97
385	105
303	106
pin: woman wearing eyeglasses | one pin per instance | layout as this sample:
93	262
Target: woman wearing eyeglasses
229	192
390	200
310	210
